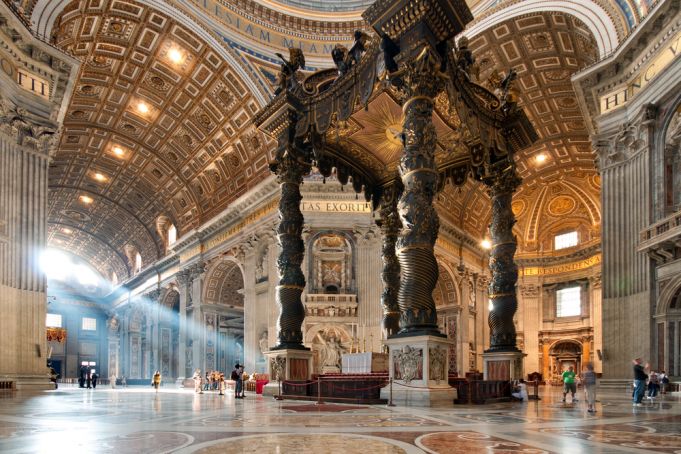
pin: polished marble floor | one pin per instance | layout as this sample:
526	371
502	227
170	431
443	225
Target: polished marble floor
137	420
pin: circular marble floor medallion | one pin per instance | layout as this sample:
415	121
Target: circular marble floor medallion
306	444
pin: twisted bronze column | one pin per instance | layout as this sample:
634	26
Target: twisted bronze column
290	171
420	223
502	183
390	275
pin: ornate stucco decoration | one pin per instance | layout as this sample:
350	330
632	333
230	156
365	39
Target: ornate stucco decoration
438	360
408	361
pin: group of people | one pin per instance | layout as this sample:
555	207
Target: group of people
87	377
215	380
655	381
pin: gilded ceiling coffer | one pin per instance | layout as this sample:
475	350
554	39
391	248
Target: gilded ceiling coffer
390	274
502	181
290	165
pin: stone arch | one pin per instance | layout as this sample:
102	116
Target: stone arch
446	292
224	284
597	19
670	298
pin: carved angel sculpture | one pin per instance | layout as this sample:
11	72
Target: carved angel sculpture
340	58
287	75
358	47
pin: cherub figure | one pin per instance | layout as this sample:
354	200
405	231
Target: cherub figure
287	75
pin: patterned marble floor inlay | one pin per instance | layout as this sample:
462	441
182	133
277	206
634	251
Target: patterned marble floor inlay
138	420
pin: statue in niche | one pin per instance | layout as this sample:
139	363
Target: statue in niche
189	358
263	342
331	352
261	266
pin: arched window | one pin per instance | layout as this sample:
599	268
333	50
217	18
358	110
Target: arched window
138	263
172	235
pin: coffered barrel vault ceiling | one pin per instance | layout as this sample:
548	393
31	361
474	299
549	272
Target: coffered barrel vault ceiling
185	155
545	49
195	150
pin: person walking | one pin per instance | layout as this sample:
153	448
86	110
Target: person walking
95	377
640	378
197	381
589	382
569	385
112	381
156	380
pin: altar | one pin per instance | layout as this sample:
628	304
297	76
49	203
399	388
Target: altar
364	363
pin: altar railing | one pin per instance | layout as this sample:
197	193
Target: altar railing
330	305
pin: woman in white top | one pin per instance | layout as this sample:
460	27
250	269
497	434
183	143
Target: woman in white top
521	391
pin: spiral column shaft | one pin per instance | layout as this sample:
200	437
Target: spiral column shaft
420	223
390	274
502	288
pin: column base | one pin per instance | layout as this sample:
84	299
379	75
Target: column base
503	365
418	367
271	389
30	383
289	364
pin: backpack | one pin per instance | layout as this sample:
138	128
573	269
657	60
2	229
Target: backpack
235	375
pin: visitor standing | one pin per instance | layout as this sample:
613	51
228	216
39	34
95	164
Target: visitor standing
664	381
238	383
589	382
112	381
197	381
653	385
569	385
640	378
88	378
156	380
95	377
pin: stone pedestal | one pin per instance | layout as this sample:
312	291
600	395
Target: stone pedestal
418	366
503	365
286	364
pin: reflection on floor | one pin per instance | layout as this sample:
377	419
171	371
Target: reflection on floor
138	420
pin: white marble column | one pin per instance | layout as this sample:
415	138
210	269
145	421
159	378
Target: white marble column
367	276
23	203
251	347
184	369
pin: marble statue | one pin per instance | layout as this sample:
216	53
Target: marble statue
331	353
263	342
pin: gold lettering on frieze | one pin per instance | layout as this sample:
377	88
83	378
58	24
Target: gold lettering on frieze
563	268
238	227
267	36
327	206
621	96
191	252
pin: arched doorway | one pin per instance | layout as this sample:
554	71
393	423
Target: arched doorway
223	316
446	297
562	355
169	334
